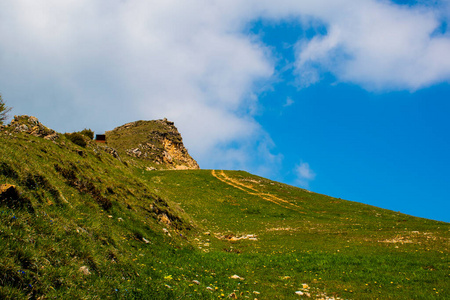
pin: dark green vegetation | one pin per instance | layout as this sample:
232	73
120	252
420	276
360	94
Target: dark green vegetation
80	138
76	138
94	225
3	110
88	132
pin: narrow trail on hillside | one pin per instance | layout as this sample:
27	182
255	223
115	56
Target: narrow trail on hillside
251	190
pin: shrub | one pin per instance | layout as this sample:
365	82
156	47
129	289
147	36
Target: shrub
4	110
76	138
88	132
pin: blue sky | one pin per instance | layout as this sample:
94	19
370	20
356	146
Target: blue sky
384	148
345	98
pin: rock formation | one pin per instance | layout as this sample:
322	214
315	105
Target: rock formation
31	125
155	141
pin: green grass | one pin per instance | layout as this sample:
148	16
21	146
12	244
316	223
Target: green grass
167	234
344	248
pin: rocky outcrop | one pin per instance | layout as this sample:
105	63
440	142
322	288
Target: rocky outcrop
156	141
31	125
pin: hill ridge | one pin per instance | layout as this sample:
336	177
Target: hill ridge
82	220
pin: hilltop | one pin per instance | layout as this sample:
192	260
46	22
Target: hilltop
80	219
158	142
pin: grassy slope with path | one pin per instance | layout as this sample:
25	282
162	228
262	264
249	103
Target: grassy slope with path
341	247
184	234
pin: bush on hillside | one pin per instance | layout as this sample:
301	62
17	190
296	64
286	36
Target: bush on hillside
4	110
88	132
76	138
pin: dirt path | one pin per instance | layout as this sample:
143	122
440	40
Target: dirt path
251	190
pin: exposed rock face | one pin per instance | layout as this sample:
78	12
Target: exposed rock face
157	141
31	125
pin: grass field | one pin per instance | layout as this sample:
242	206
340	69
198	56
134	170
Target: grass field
92	226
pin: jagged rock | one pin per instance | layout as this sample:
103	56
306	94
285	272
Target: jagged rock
135	152
156	141
22	128
31	125
110	151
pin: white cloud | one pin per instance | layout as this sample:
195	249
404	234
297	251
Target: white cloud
288	102
104	64
304	174
378	45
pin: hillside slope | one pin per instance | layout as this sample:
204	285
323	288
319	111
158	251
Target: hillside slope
87	222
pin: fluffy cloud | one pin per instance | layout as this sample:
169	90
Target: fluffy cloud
304	174
96	64
378	45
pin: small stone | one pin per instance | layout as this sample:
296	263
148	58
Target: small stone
33	120
196	282
84	270
163	218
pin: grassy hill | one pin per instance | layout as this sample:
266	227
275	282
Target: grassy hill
85	223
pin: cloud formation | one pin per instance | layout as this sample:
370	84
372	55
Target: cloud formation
106	64
304	175
99	65
377	45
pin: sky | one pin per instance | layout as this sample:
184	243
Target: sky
345	98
